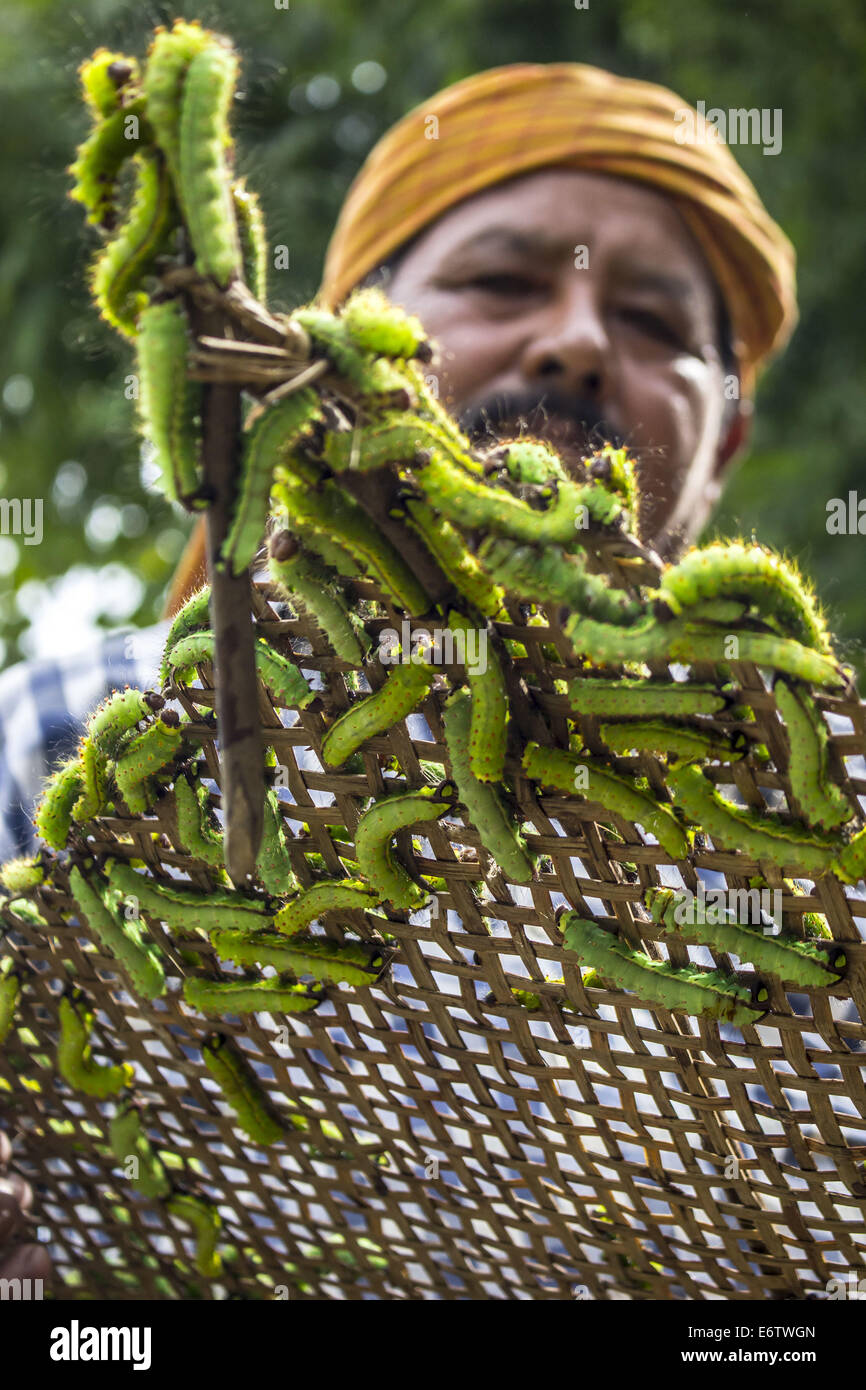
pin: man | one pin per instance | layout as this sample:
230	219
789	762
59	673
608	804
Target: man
584	273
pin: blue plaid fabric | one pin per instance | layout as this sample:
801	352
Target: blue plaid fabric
43	708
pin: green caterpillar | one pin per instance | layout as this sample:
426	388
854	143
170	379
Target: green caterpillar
194	826
124	940
182	908
100	158
104	78
242	1090
375	325
282	678
170	55
555	768
10	993
306	580
94	781
20	875
703	993
456	561
205	181
488	734
206	1222
402	691
194	615
665	739
128	1140
332	896
222	997
850	864
527	461
113	721
347	963
798	962
548	575
169	401
822	803
483	800
53	817
145	755
119	272
273	865
264	443
74	1061
375	830
333	339
756	576
789	847
251	230
394	438
648	699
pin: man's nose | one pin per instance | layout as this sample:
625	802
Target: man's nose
570	348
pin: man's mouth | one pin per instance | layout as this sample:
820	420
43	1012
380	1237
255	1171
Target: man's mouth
573	427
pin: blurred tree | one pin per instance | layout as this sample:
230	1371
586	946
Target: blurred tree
322	82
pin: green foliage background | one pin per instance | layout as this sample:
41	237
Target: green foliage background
62	373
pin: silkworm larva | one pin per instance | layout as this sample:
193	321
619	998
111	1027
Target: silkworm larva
118	273
194	826
374	833
264	444
488	733
821	802
128	1141
20	875
74	1061
333	339
100	158
193	616
798	962
170	55
378	326
548	575
220	997
104	77
555	768
251	229
642	698
395	438
281	676
770	584
402	691
850	863
702	993
483	801
206	1222
124	940
10	993
182	908
305	580
205	180
118	717
617	471
145	754
327	961
455	559
527	461
53	817
331	896
666	739
94	781
273	865
169	401
790	847
242	1090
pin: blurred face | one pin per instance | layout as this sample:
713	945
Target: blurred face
578	306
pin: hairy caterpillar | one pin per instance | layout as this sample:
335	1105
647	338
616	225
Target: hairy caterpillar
264	443
394	438
305	579
402	690
194	826
124	940
20	875
789	847
183	908
375	325
375	830
94	781
455	559
331	896
128	1140
193	616
376	380
331	551
10	993
703	993
170	55
251	230
206	1222
850	864
749	572
328	962
527	461
273	865
205	181
488	734
799	962
53	818
281	676
74	1061
169	401
666	739
100	158
616	470
822	803
112	722
104	76
242	1090
482	800
146	754
648	699
555	768
550	576
222	997
119	272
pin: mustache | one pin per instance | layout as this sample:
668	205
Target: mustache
527	412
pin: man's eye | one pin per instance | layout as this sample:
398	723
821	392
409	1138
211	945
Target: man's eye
503	283
653	324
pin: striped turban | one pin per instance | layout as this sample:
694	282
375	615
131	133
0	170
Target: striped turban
526	116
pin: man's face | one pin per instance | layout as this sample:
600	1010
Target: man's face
622	336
